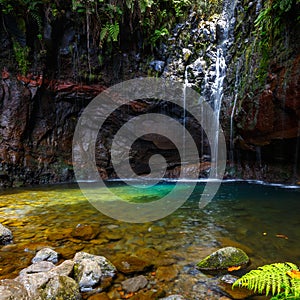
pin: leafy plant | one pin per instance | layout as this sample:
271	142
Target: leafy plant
270	25
21	55
110	32
275	278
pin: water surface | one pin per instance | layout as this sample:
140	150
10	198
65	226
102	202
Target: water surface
262	220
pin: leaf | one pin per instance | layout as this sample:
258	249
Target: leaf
272	278
294	274
230	269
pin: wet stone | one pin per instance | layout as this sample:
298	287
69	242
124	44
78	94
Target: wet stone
237	293
134	284
223	259
166	273
84	232
131	264
61	287
6	236
12	290
42	266
46	254
101	296
173	297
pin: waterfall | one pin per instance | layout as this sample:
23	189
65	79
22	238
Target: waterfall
236	89
213	83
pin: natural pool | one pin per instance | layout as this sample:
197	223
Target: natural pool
261	219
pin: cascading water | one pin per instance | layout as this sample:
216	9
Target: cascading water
236	87
213	83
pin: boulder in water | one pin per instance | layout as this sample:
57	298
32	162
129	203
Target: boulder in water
223	259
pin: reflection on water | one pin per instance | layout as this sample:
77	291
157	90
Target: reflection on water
262	220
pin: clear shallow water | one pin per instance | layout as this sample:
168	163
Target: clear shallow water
263	220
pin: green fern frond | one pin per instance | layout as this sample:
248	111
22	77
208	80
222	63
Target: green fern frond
271	278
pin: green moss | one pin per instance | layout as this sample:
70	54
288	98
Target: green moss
223	259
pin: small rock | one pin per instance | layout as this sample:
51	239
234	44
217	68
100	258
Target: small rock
101	296
237	293
84	232
46	254
6	236
173	297
166	273
12	290
134	284
62	288
223	259
131	264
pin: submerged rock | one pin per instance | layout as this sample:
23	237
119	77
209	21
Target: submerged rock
224	258
84	232
46	254
226	283
131	264
6	236
134	284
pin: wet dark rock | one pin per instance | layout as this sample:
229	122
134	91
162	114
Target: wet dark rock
61	287
12	290
6	236
46	254
134	284
226	282
223	259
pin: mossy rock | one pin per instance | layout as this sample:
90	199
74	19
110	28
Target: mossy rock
223	259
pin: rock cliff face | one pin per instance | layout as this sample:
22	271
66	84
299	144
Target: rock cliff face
39	111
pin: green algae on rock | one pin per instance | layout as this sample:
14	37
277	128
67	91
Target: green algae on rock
224	258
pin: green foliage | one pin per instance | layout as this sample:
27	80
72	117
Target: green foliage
21	55
270	25
272	279
110	32
158	34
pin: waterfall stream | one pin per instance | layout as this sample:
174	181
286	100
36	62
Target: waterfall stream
214	80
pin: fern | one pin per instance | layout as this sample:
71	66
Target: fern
271	278
110	32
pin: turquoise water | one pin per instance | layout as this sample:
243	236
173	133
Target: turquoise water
263	220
